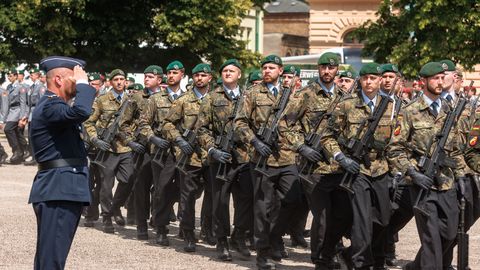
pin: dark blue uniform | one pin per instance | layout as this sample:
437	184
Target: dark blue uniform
60	188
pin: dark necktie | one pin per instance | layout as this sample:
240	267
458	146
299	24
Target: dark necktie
232	94
434	107
119	99
450	99
174	96
275	91
370	104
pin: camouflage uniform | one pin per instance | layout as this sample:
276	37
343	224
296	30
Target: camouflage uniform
165	179
118	161
214	121
371	202
270	218
183	116
418	127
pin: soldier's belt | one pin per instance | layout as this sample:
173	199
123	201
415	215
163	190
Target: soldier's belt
60	163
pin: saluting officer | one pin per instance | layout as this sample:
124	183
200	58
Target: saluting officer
183	116
370	180
60	189
215	122
420	123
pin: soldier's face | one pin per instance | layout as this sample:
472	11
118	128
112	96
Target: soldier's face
387	80
12	77
449	79
118	83
127	83
174	77
327	73
201	79
21	77
152	81
34	76
256	82
370	83
287	79
271	72
435	84
231	74
345	83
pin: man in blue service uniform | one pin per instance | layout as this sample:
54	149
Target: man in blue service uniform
60	188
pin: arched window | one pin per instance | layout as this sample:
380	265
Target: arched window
350	39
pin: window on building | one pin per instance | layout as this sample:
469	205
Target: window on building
349	38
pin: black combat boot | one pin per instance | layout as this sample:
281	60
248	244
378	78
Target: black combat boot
263	260
223	250
161	238
237	242
142	230
190	245
108	225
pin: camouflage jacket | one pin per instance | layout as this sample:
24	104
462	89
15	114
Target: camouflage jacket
257	110
103	115
418	127
344	125
184	115
318	103
153	116
214	121
132	116
469	125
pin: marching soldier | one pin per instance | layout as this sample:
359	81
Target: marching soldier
278	193
420	123
115	155
182	119
369	177
346	79
15	112
255	77
290	73
165	176
216	121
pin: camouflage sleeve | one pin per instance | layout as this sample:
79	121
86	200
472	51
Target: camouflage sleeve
174	116
294	132
146	119
205	135
397	152
92	120
23	102
336	124
243	119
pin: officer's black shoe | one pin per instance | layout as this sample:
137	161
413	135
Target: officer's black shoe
142	231
119	220
108	225
30	163
89	222
264	262
237	242
189	241
161	237
298	240
17	158
223	251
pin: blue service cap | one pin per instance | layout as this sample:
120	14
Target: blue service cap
51	62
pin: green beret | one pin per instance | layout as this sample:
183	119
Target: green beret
34	70
447	65
175	65
202	68
164	78
93	77
11	71
116	72
21	72
255	75
430	69
371	68
156	70
230	62
272	59
290	69
42	73
138	87
329	58
348	74
131	79
130	87
389	68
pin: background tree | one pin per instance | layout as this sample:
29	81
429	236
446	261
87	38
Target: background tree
411	33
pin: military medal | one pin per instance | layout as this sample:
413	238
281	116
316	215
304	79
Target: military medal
473	141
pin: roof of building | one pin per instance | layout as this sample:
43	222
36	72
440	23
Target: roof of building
287	6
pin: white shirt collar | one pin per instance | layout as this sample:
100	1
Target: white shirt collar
198	94
171	92
430	101
271	86
330	91
115	94
236	90
367	99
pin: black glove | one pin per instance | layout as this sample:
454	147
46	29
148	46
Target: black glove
261	148
220	155
136	147
159	142
310	153
100	144
184	145
419	178
348	164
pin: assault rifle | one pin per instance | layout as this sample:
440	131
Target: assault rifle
108	134
432	166
269	133
313	140
225	142
190	136
359	149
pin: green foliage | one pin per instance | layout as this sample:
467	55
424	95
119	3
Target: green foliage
128	34
411	33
